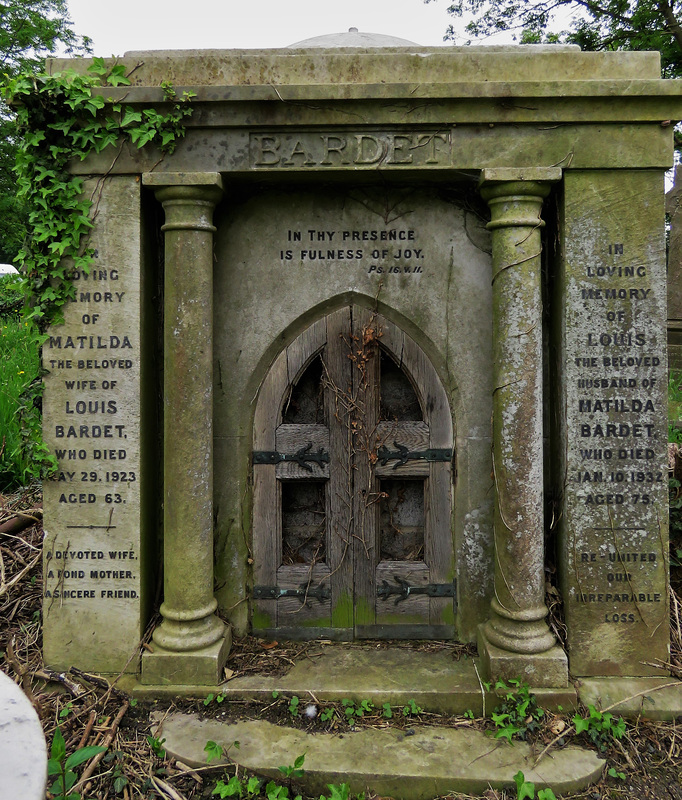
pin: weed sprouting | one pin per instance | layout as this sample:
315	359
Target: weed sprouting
526	789
518	714
62	767
600	727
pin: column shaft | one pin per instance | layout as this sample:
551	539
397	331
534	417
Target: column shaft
190	626
517	622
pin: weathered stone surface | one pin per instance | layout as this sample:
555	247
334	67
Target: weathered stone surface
307	250
97	526
413	64
351	182
435	680
672	207
23	754
612	439
200	667
385	761
191	640
651	698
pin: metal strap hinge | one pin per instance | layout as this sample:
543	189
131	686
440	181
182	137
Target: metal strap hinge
402	589
402	454
303	593
303	457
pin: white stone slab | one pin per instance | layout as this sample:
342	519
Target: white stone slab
23	753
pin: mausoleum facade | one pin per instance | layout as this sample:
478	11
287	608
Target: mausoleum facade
378	353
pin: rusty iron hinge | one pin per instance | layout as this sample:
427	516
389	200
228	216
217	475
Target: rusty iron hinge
300	457
402	454
319	592
402	589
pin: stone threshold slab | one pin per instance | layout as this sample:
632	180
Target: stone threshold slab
434	680
424	763
652	698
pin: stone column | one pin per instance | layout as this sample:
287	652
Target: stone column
191	644
516	640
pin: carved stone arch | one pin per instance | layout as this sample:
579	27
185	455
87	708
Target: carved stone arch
381	562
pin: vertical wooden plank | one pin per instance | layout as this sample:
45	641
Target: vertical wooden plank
435	402
392	338
366	374
438	538
337	376
267	520
303	348
439	552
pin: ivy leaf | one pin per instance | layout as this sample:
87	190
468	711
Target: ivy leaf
130	116
117	76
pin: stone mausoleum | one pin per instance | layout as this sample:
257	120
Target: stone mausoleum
378	353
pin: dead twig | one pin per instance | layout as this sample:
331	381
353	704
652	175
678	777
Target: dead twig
92	764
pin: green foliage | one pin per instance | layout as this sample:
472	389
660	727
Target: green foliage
30	30
387	711
275	791
18	396
63	768
294	771
327	714
613	773
600	727
412	709
353	709
518	714
220	698
156	746
594	24
526	789
241	787
293	706
213	751
674	406
337	792
61	118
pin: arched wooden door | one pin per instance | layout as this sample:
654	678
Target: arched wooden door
352	465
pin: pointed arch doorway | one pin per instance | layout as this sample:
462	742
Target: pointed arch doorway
352	466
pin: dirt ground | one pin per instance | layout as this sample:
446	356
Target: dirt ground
646	764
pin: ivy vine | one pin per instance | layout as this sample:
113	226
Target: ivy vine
61	118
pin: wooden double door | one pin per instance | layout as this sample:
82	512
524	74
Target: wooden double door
352	470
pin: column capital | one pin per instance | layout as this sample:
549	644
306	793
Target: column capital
161	180
188	198
494	175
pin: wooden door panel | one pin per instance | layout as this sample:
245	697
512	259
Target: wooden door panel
344	576
366	486
310	443
338	380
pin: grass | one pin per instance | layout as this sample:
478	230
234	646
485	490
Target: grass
20	366
674	406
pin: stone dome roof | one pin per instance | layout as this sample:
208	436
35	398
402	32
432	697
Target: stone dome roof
353	38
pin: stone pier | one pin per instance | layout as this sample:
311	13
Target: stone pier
516	640
191	644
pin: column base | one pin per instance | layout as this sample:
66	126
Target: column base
538	670
202	667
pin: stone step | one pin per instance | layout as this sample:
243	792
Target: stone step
418	764
436	681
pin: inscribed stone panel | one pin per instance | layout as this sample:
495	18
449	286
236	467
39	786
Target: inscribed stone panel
613	442
94	589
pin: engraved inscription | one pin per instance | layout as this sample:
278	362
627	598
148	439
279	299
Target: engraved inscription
379	251
306	150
